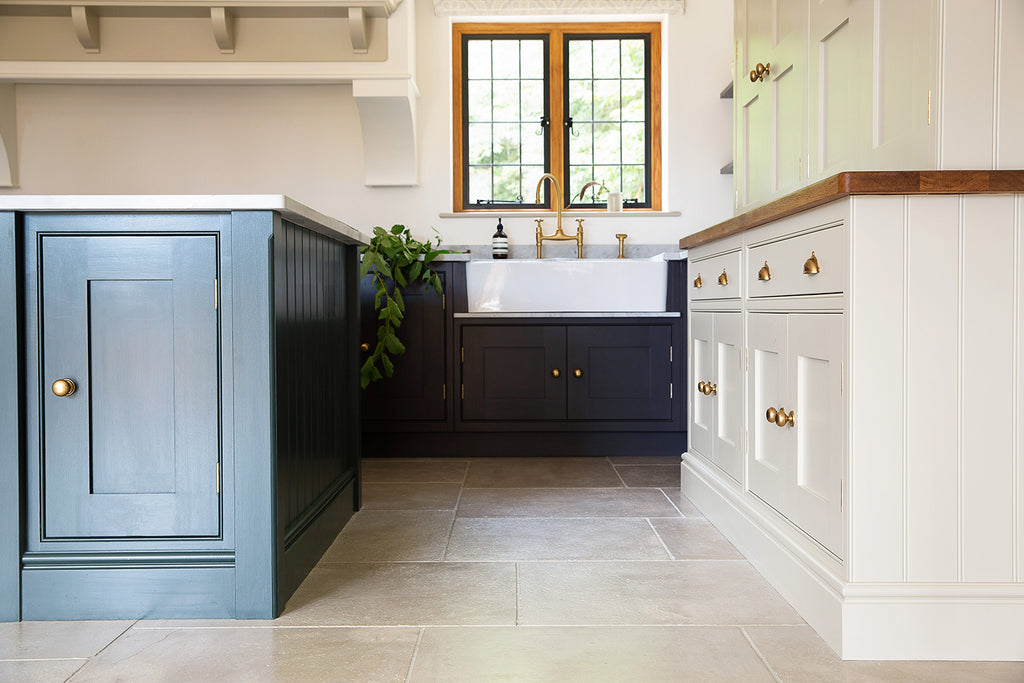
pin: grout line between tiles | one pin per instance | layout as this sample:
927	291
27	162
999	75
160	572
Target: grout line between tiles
517	595
102	649
44	659
660	539
451	529
671	502
760	655
415	651
616	470
299	627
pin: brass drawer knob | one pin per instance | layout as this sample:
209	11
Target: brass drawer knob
771	414
708	388
698	283
760	71
555	373
364	347
64	387
811	266
765	273
723	279
577	372
782	419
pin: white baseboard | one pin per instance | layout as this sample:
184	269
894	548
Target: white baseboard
877	621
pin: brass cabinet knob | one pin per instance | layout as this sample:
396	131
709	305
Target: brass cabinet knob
760	71
577	372
753	77
723	279
771	414
700	387
555	373
364	347
64	387
708	388
782	419
765	273
698	283
811	266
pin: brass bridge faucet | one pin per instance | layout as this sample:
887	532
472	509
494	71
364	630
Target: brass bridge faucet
558	235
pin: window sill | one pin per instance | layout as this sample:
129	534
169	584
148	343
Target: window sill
585	213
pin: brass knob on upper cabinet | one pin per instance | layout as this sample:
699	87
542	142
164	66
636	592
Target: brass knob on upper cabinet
811	265
782	419
64	387
577	372
709	389
771	414
723	279
765	273
555	373
364	347
698	283
753	76
700	387
760	71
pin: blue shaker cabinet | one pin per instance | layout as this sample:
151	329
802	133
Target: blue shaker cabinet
185	439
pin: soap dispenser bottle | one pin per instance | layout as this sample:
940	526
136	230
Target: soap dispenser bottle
499	243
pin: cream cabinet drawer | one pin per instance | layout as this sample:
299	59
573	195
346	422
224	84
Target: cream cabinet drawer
718	277
813	263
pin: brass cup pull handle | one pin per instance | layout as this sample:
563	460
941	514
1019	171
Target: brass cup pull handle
698	283
364	347
577	372
723	279
64	387
555	373
771	414
765	273
811	266
782	419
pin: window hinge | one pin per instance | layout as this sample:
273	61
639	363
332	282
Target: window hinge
670	355
216	294
218	478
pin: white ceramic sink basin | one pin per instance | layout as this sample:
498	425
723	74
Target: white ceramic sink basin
567	285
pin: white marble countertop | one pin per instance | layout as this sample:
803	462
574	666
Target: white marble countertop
289	209
584	314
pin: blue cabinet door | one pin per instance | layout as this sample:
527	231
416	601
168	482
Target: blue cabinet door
132	320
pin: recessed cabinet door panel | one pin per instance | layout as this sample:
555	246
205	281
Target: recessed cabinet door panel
619	372
770	445
513	373
815	354
702	407
133	452
729	377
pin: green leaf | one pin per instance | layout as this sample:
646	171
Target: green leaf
397	229
381	265
389	367
399	300
415	269
394	345
400	279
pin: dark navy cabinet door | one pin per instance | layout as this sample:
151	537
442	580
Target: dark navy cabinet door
132	320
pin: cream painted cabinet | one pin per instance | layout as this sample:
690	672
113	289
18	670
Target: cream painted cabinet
716	429
795	419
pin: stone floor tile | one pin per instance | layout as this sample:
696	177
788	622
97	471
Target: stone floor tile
392	536
572	502
39	671
649	475
600	653
645	460
57	639
638	593
387	470
541	472
381	496
256	654
681	502
412	593
798	655
695	539
496	539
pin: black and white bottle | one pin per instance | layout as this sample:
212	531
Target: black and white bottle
499	243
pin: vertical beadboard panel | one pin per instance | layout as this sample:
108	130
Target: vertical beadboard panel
1010	113
876	371
988	388
968	85
932	387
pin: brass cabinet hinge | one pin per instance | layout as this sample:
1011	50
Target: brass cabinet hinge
462	391
670	355
670	391
462	354
444	391
218	478
442	302
216	294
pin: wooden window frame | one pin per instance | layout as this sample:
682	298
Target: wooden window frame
557	110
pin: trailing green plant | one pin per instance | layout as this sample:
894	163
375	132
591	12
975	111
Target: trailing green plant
395	260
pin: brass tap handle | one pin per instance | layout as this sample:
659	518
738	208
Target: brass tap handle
765	273
579	223
64	387
811	266
723	279
621	236
364	347
771	414
698	283
577	372
555	373
782	419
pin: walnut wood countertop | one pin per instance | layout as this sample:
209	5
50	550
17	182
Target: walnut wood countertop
862	182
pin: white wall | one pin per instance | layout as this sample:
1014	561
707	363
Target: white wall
305	140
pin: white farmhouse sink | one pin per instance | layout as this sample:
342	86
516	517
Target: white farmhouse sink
567	285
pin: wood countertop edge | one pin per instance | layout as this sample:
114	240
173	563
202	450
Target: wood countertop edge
862	183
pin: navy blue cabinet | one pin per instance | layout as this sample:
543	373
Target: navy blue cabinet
186	385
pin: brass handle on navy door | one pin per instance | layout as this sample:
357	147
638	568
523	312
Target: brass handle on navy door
811	266
782	419
765	273
364	347
64	387
577	372
723	279
698	283
555	373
